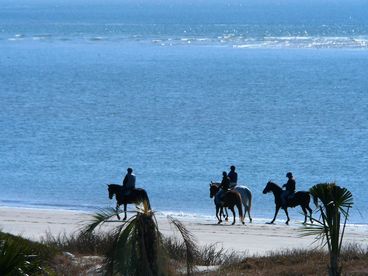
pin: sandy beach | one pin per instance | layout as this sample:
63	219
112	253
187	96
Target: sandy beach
255	238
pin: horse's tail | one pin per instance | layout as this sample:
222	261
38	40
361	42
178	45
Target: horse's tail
146	198
239	204
142	197
315	200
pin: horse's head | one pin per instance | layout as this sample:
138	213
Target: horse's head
213	189
271	187
268	187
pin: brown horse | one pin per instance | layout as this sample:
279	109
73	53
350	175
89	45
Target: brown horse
136	196
229	200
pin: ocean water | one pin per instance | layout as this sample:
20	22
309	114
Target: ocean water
180	91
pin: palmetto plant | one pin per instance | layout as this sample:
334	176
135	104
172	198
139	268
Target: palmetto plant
138	247
334	203
15	259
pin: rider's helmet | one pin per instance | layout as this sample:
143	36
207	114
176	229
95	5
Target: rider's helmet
232	168
224	173
130	170
289	175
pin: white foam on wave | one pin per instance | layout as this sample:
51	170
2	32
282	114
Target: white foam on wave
225	40
304	42
185	216
97	38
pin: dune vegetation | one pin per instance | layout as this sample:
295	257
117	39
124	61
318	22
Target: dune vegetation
84	254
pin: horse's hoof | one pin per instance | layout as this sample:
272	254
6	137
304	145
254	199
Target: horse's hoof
250	220
226	219
233	223
287	223
243	222
118	217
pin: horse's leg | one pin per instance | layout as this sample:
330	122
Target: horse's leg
310	213
117	210
233	211
125	211
221	212
305	214
250	218
276	212
248	209
287	215
247	202
217	214
226	215
245	209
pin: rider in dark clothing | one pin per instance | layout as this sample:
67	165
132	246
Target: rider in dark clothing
128	182
290	184
224	187
225	182
233	175
289	189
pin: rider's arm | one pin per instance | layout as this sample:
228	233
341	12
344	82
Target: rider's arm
125	180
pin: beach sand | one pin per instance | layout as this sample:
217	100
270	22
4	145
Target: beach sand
255	238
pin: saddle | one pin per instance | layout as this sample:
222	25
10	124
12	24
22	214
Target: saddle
290	200
126	191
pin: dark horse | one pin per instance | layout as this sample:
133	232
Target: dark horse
229	199
300	198
136	196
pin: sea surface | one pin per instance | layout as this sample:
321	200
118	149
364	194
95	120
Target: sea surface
179	91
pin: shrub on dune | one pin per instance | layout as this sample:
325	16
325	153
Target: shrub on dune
334	203
19	256
138	246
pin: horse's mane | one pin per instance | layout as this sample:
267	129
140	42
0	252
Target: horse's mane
113	185
274	184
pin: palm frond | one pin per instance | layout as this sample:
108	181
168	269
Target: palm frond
124	258
11	257
189	241
102	216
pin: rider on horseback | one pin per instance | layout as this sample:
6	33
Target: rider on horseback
128	182
233	175
289	190
224	187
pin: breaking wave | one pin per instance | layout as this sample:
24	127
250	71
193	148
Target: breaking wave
226	40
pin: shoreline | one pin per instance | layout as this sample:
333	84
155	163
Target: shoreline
257	238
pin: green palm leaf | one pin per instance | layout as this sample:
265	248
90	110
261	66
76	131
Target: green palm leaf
99	218
189	241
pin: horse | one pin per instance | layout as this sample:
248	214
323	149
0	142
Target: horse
135	196
230	199
301	198
245	194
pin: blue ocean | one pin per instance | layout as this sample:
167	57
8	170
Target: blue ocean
179	91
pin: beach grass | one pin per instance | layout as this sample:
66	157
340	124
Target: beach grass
354	258
82	254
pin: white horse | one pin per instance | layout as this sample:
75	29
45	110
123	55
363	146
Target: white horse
245	194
